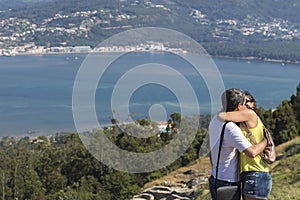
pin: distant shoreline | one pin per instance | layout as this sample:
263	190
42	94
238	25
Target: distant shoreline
260	59
250	58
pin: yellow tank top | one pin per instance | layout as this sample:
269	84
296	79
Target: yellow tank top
253	164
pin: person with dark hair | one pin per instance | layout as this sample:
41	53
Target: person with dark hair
233	142
255	176
232	98
250	101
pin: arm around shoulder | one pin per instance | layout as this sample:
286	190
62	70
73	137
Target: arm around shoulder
237	116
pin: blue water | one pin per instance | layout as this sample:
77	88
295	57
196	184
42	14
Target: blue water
36	91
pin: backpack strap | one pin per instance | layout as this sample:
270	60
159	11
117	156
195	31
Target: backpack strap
248	133
220	147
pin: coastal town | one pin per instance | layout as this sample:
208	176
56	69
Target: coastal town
24	36
143	47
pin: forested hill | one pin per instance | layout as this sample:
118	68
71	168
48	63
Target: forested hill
215	9
61	167
19	4
264	29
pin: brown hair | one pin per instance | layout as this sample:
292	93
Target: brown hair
250	98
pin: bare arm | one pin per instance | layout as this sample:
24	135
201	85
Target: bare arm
256	149
248	116
236	116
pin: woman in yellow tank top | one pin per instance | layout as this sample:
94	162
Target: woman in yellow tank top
255	176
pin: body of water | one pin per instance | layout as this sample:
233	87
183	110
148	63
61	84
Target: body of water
36	90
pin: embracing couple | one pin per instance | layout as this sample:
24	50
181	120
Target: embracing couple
237	161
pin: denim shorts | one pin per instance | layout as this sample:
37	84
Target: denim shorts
213	184
256	184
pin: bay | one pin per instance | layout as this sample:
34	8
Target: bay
36	90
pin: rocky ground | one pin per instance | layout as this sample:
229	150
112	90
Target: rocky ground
186	183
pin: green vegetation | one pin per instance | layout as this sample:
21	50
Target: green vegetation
60	167
286	179
284	122
285	173
264	50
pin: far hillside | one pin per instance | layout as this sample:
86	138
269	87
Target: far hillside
266	29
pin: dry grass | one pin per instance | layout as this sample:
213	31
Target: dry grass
203	166
282	187
286	179
199	166
281	147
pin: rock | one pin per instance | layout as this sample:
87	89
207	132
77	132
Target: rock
185	184
144	196
183	191
194	182
189	172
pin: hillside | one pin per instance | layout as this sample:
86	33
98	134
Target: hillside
214	9
18	4
285	174
61	167
237	28
286	171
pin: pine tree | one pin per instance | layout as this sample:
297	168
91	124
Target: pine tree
285	122
295	101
